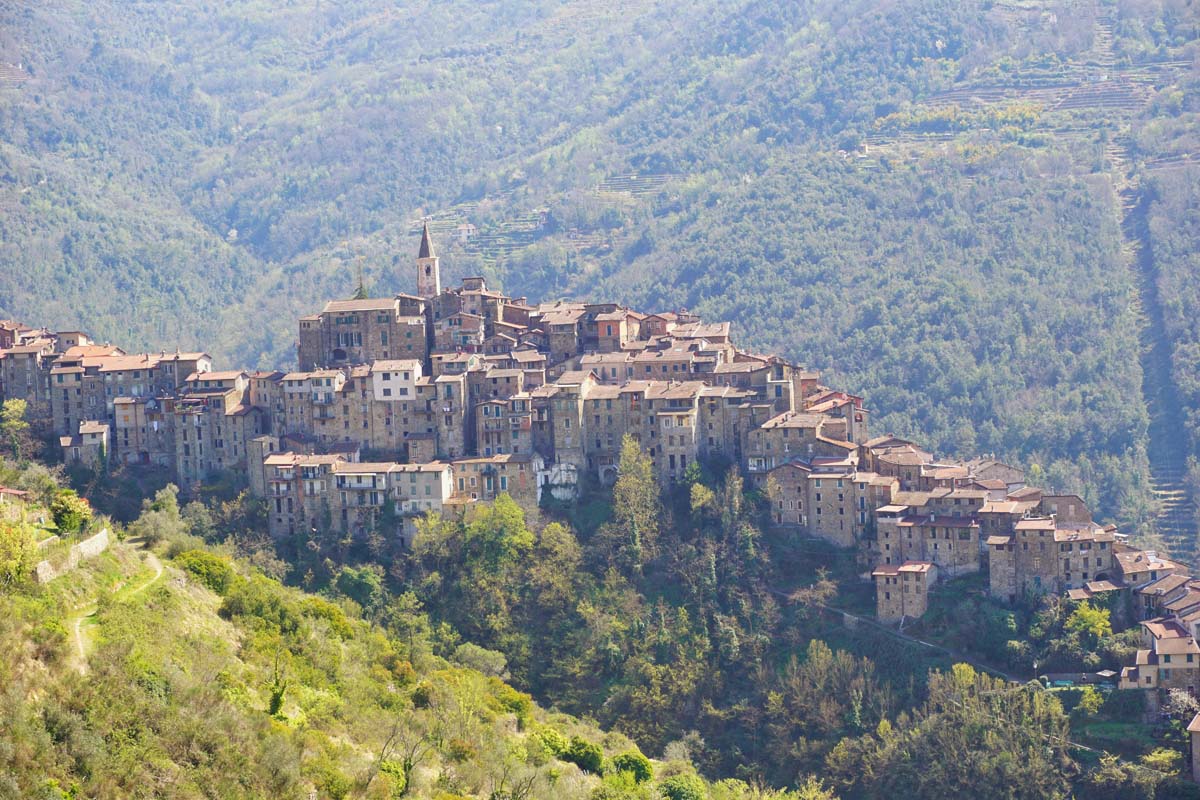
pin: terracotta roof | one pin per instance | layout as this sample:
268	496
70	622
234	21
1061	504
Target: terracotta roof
396	365
1164	585
793	419
125	363
1083	535
702	330
1165	628
905	457
364	467
502	458
842	443
227	375
91	351
574	376
564	316
1178	645
378	304
684	390
1185	601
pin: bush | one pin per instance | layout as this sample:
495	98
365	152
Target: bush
635	764
512	701
480	659
70	511
553	741
683	787
213	571
319	608
585	755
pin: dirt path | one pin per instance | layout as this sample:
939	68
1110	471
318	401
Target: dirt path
157	566
79	657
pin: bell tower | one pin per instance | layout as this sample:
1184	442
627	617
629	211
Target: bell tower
429	274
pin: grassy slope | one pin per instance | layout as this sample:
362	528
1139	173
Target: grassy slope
128	727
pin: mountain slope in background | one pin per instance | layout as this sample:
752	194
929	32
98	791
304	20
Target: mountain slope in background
922	197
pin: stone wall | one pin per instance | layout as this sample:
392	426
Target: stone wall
91	547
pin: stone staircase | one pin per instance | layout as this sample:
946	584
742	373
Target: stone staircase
1168	444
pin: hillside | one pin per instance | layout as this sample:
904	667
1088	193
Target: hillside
924	199
171	665
186	674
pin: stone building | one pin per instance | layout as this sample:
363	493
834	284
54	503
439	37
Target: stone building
350	332
91	446
1041	557
214	425
144	431
902	590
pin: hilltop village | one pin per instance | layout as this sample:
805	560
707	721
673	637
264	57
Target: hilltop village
432	402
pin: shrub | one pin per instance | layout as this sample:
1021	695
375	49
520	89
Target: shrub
319	608
70	511
513	701
553	741
635	764
683	787
585	755
213	571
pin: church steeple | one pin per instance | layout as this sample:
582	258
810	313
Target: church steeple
426	250
429	274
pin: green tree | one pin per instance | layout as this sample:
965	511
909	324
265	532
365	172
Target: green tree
939	744
1090	701
160	518
637	507
18	551
211	570
1164	760
14	428
1091	622
363	585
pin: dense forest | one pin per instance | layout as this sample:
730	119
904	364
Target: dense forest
921	198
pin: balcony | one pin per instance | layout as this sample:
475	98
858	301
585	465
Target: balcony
358	482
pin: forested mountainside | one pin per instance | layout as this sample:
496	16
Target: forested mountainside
163	667
175	663
925	198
